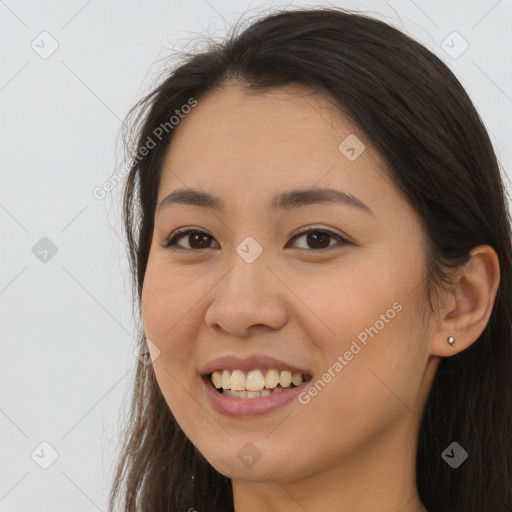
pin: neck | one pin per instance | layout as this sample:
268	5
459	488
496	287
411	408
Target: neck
377	477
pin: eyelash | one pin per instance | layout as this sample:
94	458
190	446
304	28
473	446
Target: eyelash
170	243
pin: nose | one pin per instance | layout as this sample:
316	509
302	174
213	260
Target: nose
249	295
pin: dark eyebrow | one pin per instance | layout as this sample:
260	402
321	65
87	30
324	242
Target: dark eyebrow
283	201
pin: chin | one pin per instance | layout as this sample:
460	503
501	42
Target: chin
280	467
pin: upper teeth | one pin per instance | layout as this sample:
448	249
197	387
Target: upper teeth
255	380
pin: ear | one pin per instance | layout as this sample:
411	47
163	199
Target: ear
467	307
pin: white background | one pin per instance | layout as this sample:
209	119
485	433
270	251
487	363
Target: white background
66	359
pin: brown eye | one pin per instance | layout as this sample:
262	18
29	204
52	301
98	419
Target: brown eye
197	239
200	239
319	240
316	239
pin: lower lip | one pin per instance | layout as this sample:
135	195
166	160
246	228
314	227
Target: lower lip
245	407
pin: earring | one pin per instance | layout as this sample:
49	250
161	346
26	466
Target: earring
451	341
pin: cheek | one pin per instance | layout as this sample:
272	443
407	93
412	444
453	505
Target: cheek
344	302
372	324
167	300
375	386
167	306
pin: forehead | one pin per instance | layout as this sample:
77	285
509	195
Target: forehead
233	121
255	144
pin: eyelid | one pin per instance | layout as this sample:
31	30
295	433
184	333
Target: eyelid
315	227
183	232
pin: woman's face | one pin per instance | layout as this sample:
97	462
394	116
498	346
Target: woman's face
252	290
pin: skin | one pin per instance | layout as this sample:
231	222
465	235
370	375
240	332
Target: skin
352	447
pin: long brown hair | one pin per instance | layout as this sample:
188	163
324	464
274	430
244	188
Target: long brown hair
419	117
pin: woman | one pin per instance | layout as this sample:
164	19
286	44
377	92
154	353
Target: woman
321	251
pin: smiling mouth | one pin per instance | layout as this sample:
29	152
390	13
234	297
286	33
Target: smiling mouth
255	383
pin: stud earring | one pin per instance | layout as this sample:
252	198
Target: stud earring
451	341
